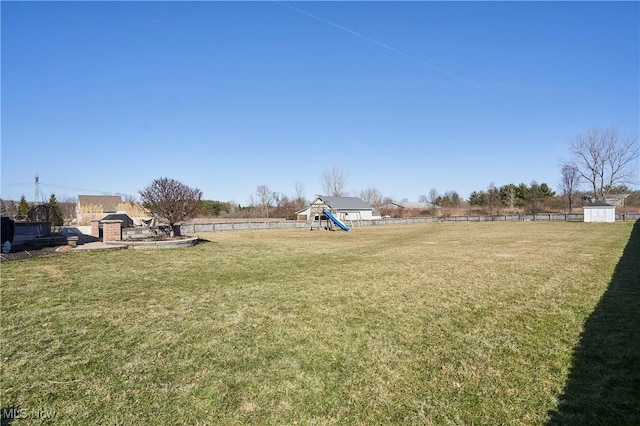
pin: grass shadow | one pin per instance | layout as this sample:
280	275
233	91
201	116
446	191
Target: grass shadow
603	387
205	241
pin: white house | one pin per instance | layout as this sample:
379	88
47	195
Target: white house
599	212
344	208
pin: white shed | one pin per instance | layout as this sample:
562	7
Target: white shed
599	212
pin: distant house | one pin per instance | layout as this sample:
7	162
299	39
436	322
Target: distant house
599	212
344	208
617	200
405	209
91	207
392	206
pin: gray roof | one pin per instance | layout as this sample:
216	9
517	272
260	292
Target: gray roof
127	222
599	204
408	205
417	206
345	203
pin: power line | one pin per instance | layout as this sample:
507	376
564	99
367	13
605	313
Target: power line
75	189
85	190
54	186
13	185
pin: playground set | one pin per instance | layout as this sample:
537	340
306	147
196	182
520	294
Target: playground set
322	212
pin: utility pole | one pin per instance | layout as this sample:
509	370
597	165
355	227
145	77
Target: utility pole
38	194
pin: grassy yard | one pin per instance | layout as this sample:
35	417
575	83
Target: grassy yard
441	323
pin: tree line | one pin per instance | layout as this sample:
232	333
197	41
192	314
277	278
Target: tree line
51	211
600	159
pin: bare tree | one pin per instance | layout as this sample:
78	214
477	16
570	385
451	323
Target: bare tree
433	197
534	197
171	200
265	198
279	199
300	200
334	182
452	198
252	206
509	195
604	160
68	207
371	196
493	199
569	182
9	208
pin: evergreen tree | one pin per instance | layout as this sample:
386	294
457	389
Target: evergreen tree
523	194
477	198
535	197
23	209
545	191
55	213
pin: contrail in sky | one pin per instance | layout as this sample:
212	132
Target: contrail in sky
383	45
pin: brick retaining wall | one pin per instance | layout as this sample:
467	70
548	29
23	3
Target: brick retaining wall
111	230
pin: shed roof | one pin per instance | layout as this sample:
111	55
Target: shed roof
127	222
345	203
599	204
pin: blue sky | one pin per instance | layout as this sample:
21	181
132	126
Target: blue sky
226	96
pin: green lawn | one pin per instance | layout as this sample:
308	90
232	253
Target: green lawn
441	323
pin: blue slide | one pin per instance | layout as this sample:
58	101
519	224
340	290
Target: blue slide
335	220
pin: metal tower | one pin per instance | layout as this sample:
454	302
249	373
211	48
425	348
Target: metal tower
38	193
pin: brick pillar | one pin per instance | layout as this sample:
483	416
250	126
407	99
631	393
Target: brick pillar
95	228
111	230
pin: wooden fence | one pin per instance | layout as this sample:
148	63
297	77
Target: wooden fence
194	228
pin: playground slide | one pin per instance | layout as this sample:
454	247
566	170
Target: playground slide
335	220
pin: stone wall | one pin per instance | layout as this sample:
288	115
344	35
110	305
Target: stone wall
141	232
